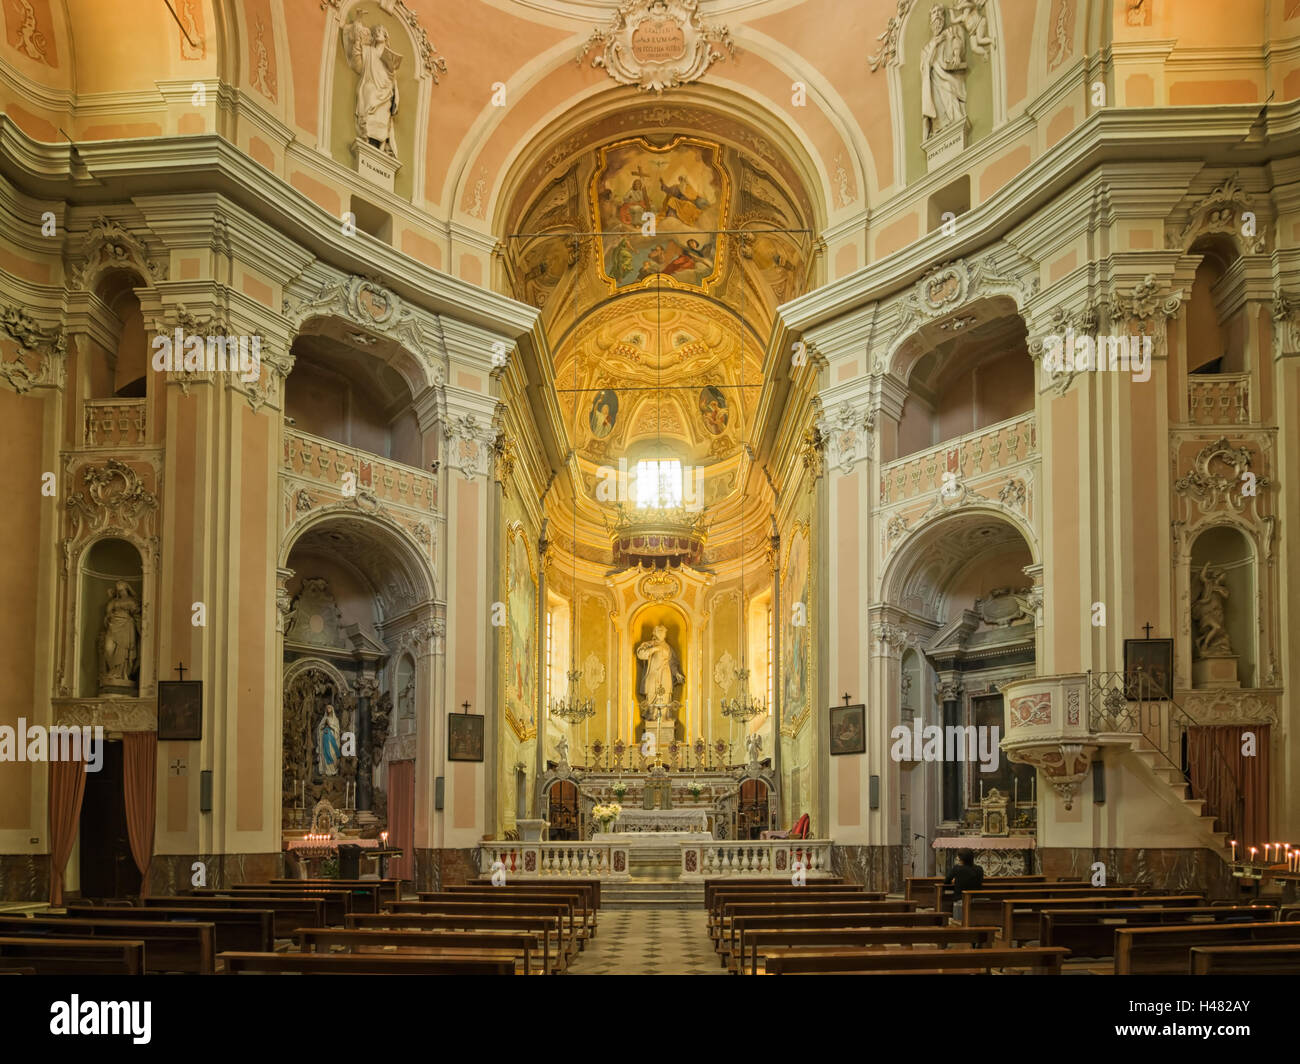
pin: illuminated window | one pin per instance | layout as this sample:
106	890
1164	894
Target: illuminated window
546	676
658	484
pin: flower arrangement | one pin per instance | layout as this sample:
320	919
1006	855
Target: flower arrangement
620	789
606	814
695	789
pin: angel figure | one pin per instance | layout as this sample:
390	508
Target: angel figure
970	13
1208	614
370	56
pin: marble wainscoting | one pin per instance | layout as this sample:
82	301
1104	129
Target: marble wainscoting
1199	870
24	877
435	869
875	867
173	873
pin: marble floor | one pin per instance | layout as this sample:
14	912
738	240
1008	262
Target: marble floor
649	942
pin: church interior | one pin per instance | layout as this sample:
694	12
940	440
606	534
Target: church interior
650	487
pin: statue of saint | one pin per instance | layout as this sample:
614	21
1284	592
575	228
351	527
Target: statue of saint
1208	614
562	749
943	73
119	639
754	747
369	55
327	743
663	671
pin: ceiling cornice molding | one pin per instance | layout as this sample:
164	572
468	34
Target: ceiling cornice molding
1204	134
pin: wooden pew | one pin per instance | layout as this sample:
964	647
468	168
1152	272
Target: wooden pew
941	900
338	903
921	888
1266	959
1167	950
290	912
563	911
714	882
73	956
589	894
1020	916
732	955
548	928
383	890
752	941
577	896
1091	932
727	944
786	893
592	884
495	944
169	947
362	964
796	961
248	930
984	907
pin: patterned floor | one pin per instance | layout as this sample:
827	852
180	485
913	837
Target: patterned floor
649	942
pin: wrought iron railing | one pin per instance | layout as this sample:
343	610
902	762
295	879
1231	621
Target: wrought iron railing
1136	702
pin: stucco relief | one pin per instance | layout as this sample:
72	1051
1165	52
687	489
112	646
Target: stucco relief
657	44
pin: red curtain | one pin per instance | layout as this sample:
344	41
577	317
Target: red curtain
1220	773
67	788
401	818
140	769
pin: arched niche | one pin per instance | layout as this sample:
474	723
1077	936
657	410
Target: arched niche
404	701
641	629
1215	343
122	371
110	637
1230	552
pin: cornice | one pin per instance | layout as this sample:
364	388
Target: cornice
1208	135
211	165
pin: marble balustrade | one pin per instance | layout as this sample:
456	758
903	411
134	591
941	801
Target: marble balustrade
766	858
544	860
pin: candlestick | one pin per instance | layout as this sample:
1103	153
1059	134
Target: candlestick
1015	790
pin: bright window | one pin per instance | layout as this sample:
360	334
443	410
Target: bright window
658	484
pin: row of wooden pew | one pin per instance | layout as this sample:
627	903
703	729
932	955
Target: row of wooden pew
315	926
1018	923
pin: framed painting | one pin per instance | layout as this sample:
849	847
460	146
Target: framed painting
180	709
1149	668
464	737
848	730
794	628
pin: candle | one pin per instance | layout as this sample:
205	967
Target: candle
1233	844
1016	791
1253	851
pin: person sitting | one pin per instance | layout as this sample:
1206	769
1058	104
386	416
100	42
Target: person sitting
965	875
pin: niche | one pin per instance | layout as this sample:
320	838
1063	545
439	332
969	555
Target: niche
112	581
404	695
1222	605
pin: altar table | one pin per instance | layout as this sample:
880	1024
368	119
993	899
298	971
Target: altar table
661	820
998	855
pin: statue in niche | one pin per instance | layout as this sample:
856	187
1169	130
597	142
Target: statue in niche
369	55
328	732
943	73
754	747
1208	614
119	640
562	749
663	671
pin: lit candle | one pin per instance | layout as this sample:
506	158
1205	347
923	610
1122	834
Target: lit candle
1233	844
1253	851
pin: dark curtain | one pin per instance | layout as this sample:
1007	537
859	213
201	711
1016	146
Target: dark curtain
1234	787
67	788
140	767
401	818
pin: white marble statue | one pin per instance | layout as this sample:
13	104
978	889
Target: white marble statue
754	747
943	73
562	749
119	639
663	671
327	743
970	13
1208	614
370	56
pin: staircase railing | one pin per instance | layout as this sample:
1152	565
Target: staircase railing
1136	703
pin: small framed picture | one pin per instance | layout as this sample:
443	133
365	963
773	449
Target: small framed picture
1149	668
848	729
180	709
464	737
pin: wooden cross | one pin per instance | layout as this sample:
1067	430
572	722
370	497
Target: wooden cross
845	696
180	669
1147	628
465	705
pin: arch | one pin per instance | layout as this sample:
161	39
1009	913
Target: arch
124	565
951	532
389	539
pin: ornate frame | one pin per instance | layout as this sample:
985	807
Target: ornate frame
793	726
514	530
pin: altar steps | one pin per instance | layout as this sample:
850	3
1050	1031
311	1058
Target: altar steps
652	894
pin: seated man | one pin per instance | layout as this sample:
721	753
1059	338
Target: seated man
965	875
